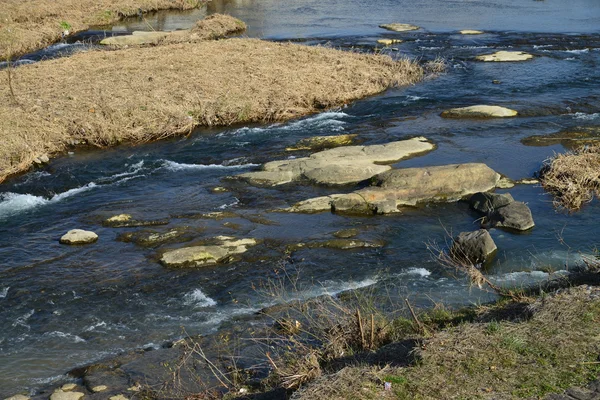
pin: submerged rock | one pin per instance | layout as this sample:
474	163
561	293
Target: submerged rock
570	138
346	233
473	247
407	187
317	143
337	244
389	42
396	27
154	238
127	221
479	111
339	166
197	256
18	397
78	236
505	56
471	32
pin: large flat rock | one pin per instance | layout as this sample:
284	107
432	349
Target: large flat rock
505	56
197	256
397	27
407	187
338	166
479	111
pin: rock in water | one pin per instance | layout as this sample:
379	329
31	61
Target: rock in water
486	203
60	395
505	56
197	256
396	27
407	187
471	32
18	397
479	111
339	166
317	143
473	247
515	216
389	42
126	220
78	236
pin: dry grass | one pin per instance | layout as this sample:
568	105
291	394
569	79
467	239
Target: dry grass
142	94
555	349
573	178
29	25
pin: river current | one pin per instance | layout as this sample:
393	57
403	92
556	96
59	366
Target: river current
63	307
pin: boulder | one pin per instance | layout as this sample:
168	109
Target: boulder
389	42
515	215
78	236
407	187
471	32
486	203
127	221
505	56
396	27
60	395
197	256
317	143
338	166
473	247
479	111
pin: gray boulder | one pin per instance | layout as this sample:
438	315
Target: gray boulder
515	215
486	202
475	247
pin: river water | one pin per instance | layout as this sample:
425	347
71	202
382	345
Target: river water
62	307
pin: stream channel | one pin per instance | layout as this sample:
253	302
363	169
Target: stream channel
63	307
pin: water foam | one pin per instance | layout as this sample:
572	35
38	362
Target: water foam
23	318
15	203
422	272
63	335
175	166
197	298
526	275
4	292
586	117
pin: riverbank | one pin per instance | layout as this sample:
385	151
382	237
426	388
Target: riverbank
103	98
32	25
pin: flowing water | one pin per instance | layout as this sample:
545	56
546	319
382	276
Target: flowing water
62	307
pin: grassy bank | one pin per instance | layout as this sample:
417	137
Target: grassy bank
136	95
520	348
574	177
30	25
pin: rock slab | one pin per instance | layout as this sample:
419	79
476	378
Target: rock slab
317	143
407	187
197	256
338	166
479	111
397	27
475	247
505	56
78	236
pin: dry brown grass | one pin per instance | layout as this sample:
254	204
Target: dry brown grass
28	25
573	178
142	94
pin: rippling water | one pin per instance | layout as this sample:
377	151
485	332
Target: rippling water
62	307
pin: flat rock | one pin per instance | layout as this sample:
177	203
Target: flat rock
486	202
99	388
118	397
78	236
60	395
473	247
337	244
471	32
479	111
396	27
127	221
346	233
389	42
317	143
154	238
407	187
18	397
505	56
515	215
67	387
570	138
197	256
338	166
136	39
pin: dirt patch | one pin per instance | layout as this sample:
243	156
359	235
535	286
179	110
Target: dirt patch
573	178
140	94
30	25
